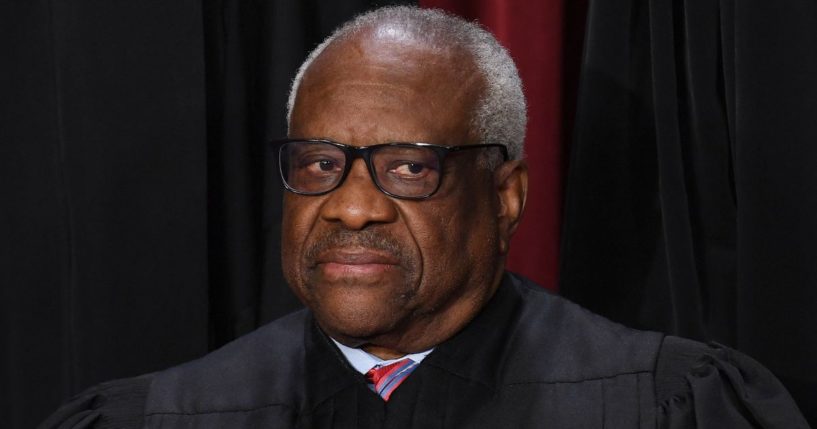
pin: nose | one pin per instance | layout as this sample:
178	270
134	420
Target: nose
358	202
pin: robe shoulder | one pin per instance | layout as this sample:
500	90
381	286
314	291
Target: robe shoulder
710	386
255	371
272	353
557	341
117	404
696	385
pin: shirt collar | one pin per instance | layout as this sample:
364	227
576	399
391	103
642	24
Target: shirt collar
362	362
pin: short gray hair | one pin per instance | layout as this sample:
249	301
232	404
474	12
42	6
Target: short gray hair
500	116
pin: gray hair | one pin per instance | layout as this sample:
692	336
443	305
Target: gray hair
500	116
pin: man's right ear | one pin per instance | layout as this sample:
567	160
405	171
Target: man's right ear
511	183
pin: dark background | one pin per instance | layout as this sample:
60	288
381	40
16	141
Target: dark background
139	219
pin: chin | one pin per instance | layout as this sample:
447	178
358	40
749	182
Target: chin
357	325
359	310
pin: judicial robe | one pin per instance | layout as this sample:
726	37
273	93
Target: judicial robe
530	359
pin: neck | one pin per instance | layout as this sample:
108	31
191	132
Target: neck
427	331
382	352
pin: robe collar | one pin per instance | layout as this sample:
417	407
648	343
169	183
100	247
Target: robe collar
475	353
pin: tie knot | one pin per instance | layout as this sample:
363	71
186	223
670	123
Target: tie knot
384	379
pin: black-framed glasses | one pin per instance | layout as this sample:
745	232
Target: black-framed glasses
402	170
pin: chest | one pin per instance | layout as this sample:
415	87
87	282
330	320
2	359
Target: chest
439	400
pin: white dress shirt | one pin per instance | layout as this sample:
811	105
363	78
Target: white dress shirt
363	362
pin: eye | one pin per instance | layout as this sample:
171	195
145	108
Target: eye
409	169
325	165
321	165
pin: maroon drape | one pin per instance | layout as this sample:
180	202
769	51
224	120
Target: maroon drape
534	31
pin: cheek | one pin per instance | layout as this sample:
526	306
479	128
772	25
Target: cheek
457	240
299	216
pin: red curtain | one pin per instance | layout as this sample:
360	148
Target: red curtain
537	34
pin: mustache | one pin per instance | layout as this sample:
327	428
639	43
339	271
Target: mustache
368	239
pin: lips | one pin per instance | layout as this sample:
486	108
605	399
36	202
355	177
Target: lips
356	257
346	262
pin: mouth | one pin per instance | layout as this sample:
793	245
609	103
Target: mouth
354	262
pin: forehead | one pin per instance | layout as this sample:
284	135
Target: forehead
367	90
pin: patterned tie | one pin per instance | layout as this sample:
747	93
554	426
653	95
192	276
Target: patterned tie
385	379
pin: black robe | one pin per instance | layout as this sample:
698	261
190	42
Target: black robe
528	360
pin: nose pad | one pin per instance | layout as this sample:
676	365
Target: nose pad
358	202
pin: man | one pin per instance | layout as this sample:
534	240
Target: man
406	181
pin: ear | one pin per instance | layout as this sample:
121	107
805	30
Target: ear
511	182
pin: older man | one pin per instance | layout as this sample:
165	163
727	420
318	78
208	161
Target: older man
404	166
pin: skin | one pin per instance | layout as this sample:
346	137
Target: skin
397	276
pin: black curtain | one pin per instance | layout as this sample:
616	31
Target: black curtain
691	205
139	220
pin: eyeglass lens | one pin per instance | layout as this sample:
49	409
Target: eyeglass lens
400	170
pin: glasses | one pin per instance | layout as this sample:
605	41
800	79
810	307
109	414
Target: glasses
402	170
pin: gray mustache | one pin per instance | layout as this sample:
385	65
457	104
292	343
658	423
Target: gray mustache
367	239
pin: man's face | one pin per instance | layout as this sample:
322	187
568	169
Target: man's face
387	273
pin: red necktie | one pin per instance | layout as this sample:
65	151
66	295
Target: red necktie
384	379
